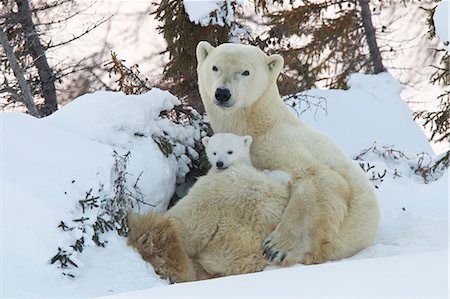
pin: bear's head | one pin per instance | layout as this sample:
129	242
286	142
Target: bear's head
233	76
224	149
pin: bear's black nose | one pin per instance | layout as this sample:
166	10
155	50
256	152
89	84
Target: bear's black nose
223	95
219	164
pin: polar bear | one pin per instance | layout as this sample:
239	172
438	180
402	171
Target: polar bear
225	149
332	211
218	228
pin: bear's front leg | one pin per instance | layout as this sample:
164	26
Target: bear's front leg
310	222
291	240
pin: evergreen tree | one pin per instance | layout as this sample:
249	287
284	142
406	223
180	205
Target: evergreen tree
438	121
323	41
182	36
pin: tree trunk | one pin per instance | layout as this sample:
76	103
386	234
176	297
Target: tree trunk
37	51
369	30
27	97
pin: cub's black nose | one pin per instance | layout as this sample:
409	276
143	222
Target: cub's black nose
219	164
222	95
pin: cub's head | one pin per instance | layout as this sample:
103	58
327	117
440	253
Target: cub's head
233	76
224	149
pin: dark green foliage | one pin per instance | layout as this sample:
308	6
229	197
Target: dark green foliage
182	37
109	211
164	145
131	81
438	121
322	42
423	165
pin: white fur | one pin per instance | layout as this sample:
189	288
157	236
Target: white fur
332	211
228	149
225	149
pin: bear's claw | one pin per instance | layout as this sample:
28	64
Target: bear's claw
271	254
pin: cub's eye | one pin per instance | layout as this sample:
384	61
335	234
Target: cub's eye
245	73
214	153
214	68
230	152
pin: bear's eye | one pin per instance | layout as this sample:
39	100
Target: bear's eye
214	68
245	73
230	152
214	153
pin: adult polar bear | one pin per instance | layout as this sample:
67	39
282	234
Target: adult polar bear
332	212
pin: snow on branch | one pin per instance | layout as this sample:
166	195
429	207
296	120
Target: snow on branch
216	12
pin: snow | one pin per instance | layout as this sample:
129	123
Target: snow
372	100
441	22
49	164
206	12
199	11
406	276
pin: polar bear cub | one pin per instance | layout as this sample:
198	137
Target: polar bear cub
219	227
225	149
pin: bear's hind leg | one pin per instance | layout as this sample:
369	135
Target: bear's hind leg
238	251
157	239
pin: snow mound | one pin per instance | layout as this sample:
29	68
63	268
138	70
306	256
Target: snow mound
371	110
50	164
408	276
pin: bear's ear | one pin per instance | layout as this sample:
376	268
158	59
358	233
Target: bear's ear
203	49
247	140
275	63
205	140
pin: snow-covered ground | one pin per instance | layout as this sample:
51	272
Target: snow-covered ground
48	165
407	276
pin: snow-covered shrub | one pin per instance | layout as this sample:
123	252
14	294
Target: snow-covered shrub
147	119
96	213
302	102
150	135
172	142
387	160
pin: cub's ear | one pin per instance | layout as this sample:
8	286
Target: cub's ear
205	140
247	140
203	49
275	63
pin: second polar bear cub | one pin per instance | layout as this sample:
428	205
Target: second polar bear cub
224	149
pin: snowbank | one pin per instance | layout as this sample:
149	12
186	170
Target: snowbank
370	111
408	276
48	165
